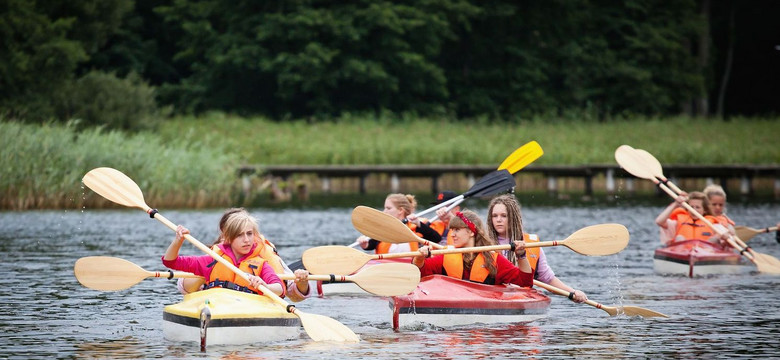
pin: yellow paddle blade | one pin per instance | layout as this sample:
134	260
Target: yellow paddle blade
108	273
521	157
391	279
115	186
598	240
746	233
323	328
334	259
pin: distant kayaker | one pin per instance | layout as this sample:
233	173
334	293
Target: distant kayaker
487	267
441	224
297	289
402	207
677	224
240	248
717	198
505	224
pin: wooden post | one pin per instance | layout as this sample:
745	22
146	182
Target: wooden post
610	181
552	184
326	185
394	183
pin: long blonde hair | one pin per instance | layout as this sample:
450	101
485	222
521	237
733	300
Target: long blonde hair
479	240
514	226
235	224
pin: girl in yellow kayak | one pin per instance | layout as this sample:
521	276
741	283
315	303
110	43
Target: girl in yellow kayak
241	243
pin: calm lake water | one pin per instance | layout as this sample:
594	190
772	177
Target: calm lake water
46	313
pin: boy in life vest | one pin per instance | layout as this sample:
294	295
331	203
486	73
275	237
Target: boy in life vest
677	224
240	248
505	225
402	207
487	267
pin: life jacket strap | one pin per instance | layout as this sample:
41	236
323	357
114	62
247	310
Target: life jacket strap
227	285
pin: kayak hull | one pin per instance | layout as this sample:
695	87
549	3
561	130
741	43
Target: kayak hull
228	317
446	302
697	258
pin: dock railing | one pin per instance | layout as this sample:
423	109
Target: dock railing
745	173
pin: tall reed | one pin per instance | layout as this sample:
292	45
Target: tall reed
42	167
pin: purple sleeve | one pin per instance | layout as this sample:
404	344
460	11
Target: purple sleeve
543	271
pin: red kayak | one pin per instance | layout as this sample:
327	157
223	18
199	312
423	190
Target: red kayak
445	301
697	258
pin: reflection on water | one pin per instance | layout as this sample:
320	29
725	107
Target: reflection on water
46	313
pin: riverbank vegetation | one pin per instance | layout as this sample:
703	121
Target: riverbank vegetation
192	161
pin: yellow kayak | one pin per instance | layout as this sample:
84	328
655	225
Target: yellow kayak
224	316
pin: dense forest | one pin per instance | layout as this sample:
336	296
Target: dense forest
127	64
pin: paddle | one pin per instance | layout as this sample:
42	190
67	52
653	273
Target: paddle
119	188
746	233
513	163
384	227
642	164
611	310
596	240
110	274
522	157
493	183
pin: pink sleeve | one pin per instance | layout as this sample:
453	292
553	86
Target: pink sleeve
197	265
268	275
544	273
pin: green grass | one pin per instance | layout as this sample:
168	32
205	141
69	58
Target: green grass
383	141
192	161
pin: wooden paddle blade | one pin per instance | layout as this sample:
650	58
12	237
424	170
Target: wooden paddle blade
651	164
521	157
108	273
334	259
323	328
746	233
767	264
115	186
638	311
626	158
598	240
384	227
392	279
496	182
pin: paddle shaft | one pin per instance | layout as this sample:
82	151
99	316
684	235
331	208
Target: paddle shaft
564	293
465	250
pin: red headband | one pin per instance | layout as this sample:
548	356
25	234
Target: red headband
468	222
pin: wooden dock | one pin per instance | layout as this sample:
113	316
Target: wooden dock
746	174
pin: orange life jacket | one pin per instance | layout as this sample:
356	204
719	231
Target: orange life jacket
723	219
453	265
532	254
252	264
441	227
384	247
691	228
